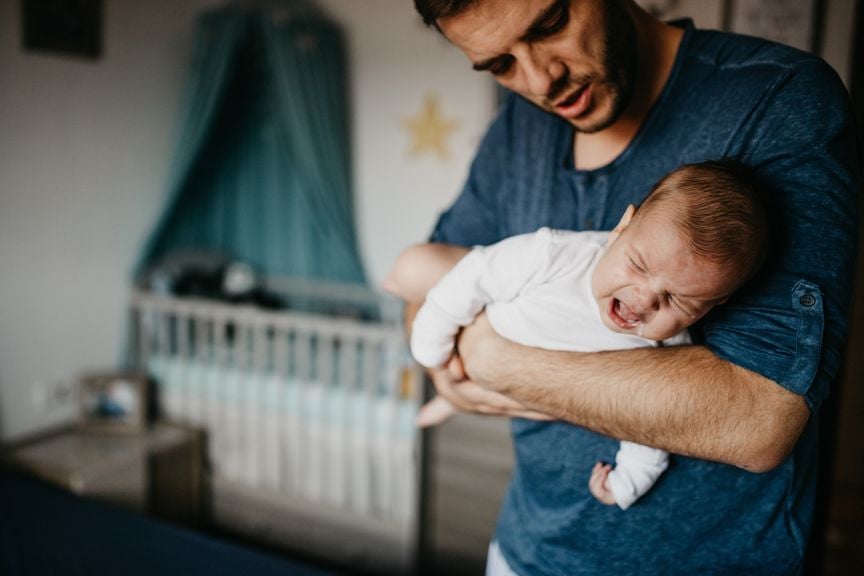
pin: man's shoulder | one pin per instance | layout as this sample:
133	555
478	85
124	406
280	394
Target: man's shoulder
739	53
742	90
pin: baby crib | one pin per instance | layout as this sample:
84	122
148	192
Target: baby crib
308	415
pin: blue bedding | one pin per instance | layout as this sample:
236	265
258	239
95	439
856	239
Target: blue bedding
44	530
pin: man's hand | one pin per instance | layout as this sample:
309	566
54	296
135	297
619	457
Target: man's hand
475	341
467	396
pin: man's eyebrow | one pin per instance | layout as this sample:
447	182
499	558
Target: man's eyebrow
539	28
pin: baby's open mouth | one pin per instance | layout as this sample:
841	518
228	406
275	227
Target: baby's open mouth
622	315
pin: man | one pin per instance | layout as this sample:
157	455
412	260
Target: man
609	100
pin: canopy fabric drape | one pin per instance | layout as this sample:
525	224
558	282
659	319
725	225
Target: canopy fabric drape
262	168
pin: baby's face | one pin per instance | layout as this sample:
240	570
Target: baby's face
648	282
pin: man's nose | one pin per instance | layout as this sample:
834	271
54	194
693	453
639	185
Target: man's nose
538	73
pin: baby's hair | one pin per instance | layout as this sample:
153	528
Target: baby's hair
718	206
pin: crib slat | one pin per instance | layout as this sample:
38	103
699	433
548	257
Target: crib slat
371	474
293	392
285	413
201	331
253	412
323	425
387	434
241	398
342	439
181	357
274	436
307	457
219	390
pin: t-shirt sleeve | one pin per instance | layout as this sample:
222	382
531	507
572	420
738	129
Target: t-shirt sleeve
789	324
474	218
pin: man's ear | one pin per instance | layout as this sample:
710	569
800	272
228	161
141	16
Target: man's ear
623	223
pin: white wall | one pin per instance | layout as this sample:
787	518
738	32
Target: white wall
838	37
395	63
85	149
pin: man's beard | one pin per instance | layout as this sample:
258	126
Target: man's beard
619	57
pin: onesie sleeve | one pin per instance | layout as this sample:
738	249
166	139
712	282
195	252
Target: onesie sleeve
637	468
496	273
789	324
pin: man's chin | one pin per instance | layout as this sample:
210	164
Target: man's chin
595	119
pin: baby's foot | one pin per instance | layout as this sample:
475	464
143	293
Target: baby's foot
599	483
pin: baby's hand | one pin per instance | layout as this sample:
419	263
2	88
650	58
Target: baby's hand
598	483
434	412
433	337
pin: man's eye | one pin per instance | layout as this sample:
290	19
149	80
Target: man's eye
555	25
501	66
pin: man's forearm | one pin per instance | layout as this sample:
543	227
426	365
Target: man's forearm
684	400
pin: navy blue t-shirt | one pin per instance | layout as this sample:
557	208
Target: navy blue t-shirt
785	113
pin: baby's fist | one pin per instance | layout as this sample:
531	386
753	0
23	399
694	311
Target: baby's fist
598	483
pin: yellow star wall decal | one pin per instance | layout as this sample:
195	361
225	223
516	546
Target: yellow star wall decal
429	130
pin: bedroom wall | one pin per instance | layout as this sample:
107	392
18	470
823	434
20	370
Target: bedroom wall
85	148
395	64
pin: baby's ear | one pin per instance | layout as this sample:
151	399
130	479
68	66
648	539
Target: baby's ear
623	223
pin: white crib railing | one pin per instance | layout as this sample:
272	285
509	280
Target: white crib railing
308	415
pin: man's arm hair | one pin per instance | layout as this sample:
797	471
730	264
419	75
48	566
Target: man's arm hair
682	399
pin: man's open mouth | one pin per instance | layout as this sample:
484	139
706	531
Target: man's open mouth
572	98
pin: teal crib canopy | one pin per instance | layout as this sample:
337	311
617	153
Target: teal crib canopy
262	167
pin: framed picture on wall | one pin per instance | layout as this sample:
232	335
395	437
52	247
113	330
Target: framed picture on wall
114	402
70	27
706	14
790	22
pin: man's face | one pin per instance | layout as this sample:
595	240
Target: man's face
574	58
649	283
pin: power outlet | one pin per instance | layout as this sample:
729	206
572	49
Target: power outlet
53	395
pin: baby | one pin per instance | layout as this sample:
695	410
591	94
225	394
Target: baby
700	235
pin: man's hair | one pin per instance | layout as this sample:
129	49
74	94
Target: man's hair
433	10
719	209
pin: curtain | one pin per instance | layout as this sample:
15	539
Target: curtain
262	168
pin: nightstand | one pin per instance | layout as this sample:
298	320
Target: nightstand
157	471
